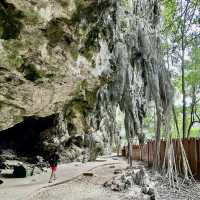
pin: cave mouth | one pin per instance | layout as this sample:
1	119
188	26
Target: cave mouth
24	138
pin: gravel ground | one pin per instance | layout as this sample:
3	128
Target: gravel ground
185	192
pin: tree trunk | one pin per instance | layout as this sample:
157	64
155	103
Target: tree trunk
183	29
183	88
157	148
176	120
130	152
192	111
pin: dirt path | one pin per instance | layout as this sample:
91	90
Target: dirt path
73	185
85	187
28	188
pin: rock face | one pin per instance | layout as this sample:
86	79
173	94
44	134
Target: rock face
77	61
48	51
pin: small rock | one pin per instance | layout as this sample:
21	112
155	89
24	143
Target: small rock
152	197
128	181
118	171
22	171
151	191
19	172
130	173
145	189
88	174
116	182
8	154
45	169
2	164
10	164
141	178
36	170
39	159
1	182
107	184
118	186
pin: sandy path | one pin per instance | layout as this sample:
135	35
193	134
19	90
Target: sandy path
25	188
83	187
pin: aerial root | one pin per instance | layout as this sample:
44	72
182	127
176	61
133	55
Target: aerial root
172	170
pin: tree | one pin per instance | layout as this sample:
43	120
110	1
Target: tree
193	82
180	17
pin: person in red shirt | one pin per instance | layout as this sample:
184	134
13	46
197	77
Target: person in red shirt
53	162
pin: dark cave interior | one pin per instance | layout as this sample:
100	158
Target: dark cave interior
24	137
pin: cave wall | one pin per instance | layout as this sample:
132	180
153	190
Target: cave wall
48	52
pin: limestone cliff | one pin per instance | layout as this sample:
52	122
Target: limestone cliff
48	53
78	60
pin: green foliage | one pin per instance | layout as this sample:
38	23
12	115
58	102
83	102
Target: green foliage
91	43
10	57
181	49
169	12
193	67
195	132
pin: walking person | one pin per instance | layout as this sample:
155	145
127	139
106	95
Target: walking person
53	162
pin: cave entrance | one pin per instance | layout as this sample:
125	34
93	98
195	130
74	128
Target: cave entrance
24	137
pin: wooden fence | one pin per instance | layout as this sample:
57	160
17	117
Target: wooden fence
191	146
